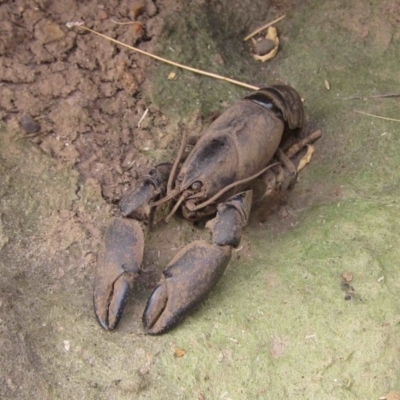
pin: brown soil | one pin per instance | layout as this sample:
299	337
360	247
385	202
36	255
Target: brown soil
85	92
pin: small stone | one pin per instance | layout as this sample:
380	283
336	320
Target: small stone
67	345
264	46
347	276
28	124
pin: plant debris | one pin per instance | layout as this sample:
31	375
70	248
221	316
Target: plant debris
263	27
271	40
263	46
179	353
306	158
377	116
164	60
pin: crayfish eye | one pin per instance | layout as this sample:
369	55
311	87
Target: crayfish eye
196	185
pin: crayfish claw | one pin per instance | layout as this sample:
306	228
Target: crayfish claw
155	306
118	301
187	280
118	267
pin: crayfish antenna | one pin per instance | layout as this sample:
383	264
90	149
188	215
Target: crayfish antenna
165	199
176	163
226	188
176	206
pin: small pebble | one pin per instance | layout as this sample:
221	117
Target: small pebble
28	124
263	46
347	276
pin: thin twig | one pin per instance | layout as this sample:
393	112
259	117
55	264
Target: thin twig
30	136
176	206
376	96
176	163
195	70
263	27
142	117
125	23
377	116
312	137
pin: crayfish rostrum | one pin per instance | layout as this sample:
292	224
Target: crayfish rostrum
242	149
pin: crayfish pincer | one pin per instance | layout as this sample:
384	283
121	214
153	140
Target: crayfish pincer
241	151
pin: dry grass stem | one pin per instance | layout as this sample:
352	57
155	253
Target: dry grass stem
263	27
142	117
125	23
377	116
376	96
164	60
312	137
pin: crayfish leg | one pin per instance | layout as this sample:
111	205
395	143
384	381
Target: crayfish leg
136	203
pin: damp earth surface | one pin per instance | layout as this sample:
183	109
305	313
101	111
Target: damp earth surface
309	306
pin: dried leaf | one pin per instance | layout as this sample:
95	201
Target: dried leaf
179	353
268	56
172	76
306	158
271	35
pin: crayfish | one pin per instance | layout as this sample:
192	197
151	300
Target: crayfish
241	151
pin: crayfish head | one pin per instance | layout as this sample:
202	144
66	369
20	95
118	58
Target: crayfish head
188	197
